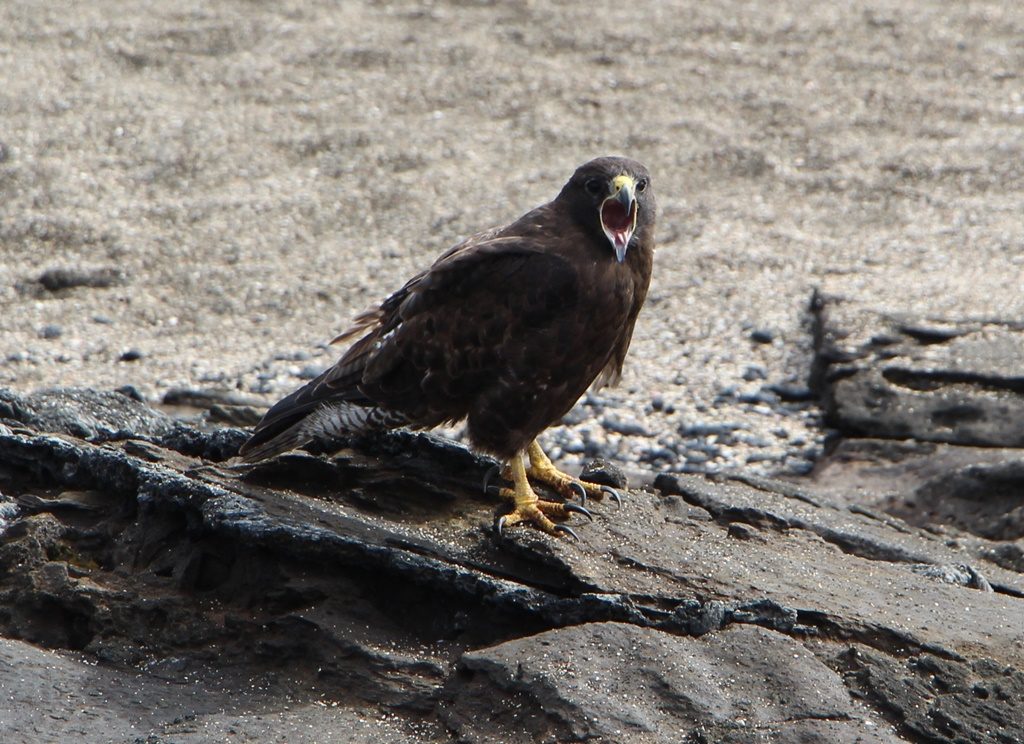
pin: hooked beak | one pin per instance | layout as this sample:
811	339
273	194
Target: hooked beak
618	214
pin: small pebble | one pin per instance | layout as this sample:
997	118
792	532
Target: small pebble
51	331
131	355
625	426
762	336
703	429
311	371
792	393
813	452
798	466
740	531
761	396
130	391
651	454
691	468
753	440
755	372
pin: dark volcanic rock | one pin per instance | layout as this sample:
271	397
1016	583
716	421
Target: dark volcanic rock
101	416
958	381
130	355
372	580
938	700
66	277
604	473
81	412
51	331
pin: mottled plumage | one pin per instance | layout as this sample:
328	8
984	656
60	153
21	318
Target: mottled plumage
506	329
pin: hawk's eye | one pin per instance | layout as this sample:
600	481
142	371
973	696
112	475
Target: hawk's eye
641	185
594	186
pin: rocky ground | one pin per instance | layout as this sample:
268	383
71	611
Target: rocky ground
153	591
195	198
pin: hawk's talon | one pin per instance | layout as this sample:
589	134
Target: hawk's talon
568	531
491	472
577	509
613	494
500	524
578	488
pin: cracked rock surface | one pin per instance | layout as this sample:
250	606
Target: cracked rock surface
362	593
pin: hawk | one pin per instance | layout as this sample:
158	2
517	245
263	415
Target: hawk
506	330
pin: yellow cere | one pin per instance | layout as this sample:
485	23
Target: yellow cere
619	181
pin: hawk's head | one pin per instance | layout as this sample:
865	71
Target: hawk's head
614	196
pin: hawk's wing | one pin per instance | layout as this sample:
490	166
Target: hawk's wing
428	348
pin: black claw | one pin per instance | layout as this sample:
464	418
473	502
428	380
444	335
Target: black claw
577	488
567	530
571	507
613	494
500	525
491	472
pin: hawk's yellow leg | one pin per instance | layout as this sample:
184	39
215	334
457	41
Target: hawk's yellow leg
543	470
528	507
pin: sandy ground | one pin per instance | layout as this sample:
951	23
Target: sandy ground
261	171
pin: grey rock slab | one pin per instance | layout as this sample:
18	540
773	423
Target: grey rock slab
48	697
620	683
784	505
950	380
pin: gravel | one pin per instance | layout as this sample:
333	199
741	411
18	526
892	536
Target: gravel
261	174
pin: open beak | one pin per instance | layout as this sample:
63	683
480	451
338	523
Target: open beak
618	214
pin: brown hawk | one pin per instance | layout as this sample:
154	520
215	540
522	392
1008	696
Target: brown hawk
505	330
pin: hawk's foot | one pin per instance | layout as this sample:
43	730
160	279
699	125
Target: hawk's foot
529	508
544	471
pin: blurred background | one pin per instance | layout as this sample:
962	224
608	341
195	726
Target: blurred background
199	195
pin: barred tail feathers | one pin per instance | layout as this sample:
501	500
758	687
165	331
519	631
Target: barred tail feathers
327	421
